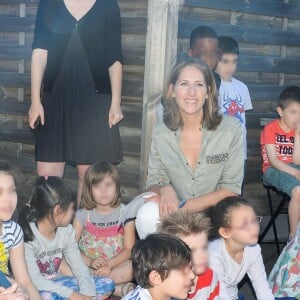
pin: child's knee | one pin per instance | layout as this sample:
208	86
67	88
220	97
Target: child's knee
147	219
296	193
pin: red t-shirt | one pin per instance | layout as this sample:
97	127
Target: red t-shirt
207	287
283	141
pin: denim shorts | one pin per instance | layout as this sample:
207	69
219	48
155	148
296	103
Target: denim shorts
282	181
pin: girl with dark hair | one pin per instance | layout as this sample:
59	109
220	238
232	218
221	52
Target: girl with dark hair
11	239
49	238
235	252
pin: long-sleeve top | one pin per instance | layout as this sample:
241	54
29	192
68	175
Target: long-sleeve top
230	273
43	257
220	163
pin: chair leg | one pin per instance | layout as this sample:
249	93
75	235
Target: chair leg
272	222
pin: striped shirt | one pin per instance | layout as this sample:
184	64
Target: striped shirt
11	237
207	287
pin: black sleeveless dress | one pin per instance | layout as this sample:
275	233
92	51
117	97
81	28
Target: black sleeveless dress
76	126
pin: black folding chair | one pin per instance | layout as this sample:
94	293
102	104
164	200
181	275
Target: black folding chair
274	213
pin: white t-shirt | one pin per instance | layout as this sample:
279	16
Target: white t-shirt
138	294
234	100
230	273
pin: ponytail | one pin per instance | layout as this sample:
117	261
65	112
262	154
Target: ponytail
46	194
26	216
220	214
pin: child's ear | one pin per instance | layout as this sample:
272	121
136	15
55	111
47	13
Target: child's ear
154	278
224	233
57	210
279	110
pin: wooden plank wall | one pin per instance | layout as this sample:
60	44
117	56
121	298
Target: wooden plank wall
16	142
268	33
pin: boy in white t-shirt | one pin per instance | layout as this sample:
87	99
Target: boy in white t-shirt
234	97
162	268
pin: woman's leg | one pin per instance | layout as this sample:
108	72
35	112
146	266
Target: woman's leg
81	169
50	168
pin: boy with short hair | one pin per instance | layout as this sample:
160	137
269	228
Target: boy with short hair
193	229
162	268
234	97
280	143
204	45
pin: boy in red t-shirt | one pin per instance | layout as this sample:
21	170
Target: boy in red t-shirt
193	229
280	143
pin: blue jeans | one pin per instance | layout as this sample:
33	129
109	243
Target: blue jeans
104	287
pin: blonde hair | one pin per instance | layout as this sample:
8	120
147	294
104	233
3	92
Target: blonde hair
95	174
184	223
211	117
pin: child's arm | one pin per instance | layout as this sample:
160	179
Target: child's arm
125	254
91	263
20	271
79	269
78	230
258	277
129	241
296	152
216	264
278	164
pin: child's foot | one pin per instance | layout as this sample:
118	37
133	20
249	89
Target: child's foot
122	290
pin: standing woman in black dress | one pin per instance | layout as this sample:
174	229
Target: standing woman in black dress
77	64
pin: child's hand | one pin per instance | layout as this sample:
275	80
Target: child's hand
103	271
98	263
14	292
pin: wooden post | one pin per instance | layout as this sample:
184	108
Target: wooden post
160	56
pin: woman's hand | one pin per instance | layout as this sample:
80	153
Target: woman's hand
115	114
36	112
169	201
98	263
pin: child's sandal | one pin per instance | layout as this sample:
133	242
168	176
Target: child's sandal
127	288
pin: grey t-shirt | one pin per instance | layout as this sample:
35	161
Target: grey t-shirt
121	215
43	257
101	220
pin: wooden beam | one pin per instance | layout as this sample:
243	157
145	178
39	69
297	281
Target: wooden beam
244	33
258	7
161	53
